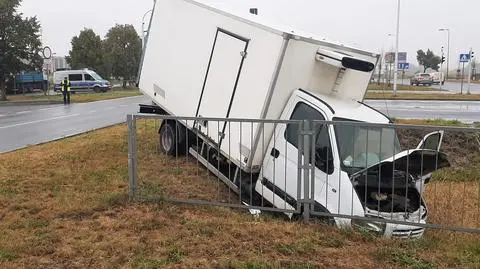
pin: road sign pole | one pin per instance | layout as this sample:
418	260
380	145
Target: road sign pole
463	74
469	70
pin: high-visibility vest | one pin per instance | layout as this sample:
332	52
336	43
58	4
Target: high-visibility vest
68	84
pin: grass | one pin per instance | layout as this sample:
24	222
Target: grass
80	97
384	87
68	208
421	96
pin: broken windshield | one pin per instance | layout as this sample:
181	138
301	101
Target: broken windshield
361	147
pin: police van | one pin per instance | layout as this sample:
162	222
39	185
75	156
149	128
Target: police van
84	80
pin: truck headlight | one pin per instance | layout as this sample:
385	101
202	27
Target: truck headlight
370	225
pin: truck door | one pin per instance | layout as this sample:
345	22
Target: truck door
224	70
280	169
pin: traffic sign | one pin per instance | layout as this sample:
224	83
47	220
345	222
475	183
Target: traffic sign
402	57
464	58
403	66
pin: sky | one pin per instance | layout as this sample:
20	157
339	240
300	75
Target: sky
367	24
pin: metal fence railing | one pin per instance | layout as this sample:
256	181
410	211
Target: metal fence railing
388	179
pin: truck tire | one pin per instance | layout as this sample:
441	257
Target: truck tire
172	138
96	89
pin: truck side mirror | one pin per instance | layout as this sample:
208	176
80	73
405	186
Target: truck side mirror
431	141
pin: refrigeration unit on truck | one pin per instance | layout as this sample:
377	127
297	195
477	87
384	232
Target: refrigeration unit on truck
203	62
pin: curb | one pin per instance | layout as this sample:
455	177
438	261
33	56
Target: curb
31	103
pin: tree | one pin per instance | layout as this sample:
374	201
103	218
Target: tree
123	49
20	44
428	60
87	52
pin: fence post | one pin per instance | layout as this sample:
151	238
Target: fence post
132	156
307	134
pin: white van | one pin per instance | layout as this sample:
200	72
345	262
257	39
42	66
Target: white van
83	80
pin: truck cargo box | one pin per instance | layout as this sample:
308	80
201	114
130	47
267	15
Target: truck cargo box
204	62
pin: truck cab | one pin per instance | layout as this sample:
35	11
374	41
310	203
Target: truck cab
348	180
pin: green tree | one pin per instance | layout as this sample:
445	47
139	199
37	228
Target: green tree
123	49
20	44
428	60
87	52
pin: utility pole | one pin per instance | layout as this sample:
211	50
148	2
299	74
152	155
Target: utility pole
395	75
470	53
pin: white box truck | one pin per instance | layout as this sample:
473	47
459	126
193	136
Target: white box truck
203	62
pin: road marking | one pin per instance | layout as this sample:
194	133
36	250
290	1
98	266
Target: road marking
38	121
23	112
123	105
109	108
49	108
93	111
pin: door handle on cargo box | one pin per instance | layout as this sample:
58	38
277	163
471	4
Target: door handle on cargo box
275	153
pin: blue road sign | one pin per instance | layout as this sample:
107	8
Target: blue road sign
403	66
464	58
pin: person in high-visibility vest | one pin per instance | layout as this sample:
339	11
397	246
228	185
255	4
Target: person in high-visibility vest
66	85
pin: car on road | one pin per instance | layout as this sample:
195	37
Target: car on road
438	78
421	79
84	80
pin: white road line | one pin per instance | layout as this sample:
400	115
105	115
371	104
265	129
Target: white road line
38	121
109	108
49	108
23	112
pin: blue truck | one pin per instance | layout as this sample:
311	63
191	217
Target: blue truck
31	81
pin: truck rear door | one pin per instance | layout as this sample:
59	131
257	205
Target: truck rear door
224	70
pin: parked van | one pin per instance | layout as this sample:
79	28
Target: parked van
83	80
245	68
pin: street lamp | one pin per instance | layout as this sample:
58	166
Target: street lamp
448	46
395	75
143	27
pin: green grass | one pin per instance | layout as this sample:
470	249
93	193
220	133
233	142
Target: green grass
384	87
79	97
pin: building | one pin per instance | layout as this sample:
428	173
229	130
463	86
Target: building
54	64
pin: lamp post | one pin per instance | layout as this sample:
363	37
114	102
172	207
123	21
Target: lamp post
143	28
448	46
395	75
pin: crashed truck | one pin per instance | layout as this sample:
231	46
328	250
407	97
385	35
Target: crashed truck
203	62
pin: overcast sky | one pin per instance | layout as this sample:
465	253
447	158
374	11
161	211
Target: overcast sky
361	23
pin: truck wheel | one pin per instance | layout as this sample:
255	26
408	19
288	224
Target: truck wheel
96	89
172	138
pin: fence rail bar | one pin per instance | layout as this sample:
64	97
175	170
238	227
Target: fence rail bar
347	123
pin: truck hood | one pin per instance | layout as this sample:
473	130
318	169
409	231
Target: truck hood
417	162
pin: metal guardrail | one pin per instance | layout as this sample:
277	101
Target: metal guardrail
311	169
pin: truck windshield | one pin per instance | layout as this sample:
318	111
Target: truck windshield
361	147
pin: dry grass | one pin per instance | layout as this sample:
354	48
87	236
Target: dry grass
422	96
384	87
79	97
64	205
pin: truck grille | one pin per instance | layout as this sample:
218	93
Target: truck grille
409	233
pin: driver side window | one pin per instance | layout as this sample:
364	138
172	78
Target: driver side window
323	149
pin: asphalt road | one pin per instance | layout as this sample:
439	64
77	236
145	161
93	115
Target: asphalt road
465	111
453	87
21	126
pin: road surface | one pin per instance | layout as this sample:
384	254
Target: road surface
21	126
453	87
465	111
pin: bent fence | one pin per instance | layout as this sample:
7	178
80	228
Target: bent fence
389	179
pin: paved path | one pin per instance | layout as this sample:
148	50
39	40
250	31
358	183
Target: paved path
30	125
